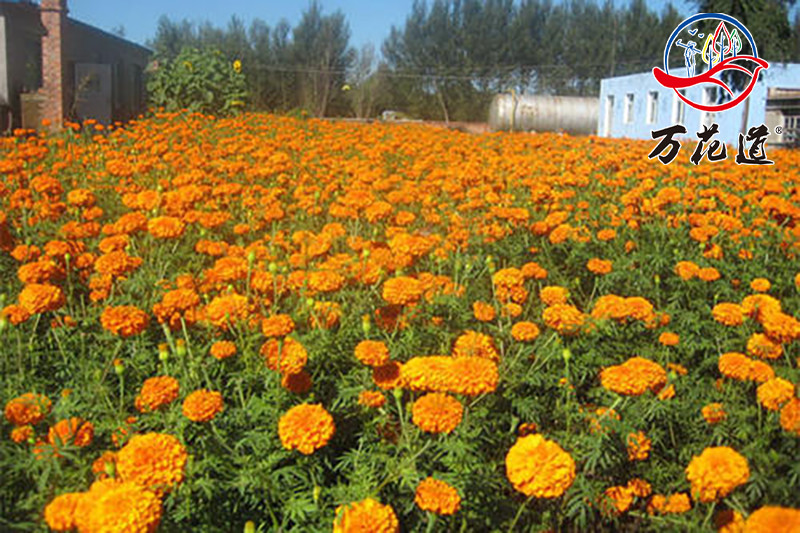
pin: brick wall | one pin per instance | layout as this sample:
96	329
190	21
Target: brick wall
53	13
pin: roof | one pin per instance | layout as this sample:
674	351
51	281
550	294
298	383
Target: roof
108	35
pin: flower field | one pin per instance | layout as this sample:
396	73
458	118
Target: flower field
267	323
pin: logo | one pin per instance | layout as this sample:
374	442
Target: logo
725	56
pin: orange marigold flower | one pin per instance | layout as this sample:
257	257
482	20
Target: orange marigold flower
771	519
713	413
402	290
760	285
363	516
153	460
606	234
667	393
669	339
708	274
437	497
774	393
533	270
639	487
15	314
124	320
22	434
728	314
539	467
124	507
41	298
619	499
459	375
759	345
686	270
474	344
306	428
790	416
165	227
30	408
156	392
222	350
716	472
60	513
436	412
226	309
202	405
638	446
508	277
286	356
738	366
552	295
677	504
759	305
299	383
634	377
599	266
372	353
524	331
370	398
565	319
483	312
73	431
116	263
277	325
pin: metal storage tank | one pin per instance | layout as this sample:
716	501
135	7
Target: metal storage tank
571	114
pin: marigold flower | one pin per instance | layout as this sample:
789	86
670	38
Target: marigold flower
73	431
226	309
153	460
790	416
728	521
539	467
299	383
716	472
222	350
277	326
759	345
165	227
30	408
124	507
713	413
458	375
157	392
387	376
60	513
533	270
553	295
40	298
436	412
124	320
22	434
638	446
686	270
708	274
772	519
619	498
474	344
286	356
202	405
15	314
369	398
668	338
402	290
634	377
524	331
774	393
729	314
760	285
508	277
738	366
673	504
565	319
366	515
306	428
372	353
483	312
599	266
437	497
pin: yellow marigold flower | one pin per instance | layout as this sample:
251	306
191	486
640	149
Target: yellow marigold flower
619	500
553	294
772	519
372	353
640	487
459	375
277	326
713	413
124	320
125	507
508	277
222	350
539	467
634	377
60	513
524	331
774	393
606	235
757	305
153	460
437	497
760	285
677	504
202	405
369	398
565	319
728	521
437	412
708	274
366	515
759	345
716	472
668	338
165	227
638	446
790	416
157	392
30	408
41	298
483	312
729	314
286	356
599	266
474	344
306	428
402	290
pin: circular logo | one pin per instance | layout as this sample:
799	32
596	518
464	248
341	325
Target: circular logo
716	51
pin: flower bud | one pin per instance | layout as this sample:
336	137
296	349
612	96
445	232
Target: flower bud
566	354
180	347
366	325
109	468
251	257
249	527
119	366
273	267
309	302
317	491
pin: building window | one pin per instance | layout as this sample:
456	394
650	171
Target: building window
609	116
679	108
652	107
628	116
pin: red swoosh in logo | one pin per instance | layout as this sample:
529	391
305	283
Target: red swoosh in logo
674	82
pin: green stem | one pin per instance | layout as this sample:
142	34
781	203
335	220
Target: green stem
519	514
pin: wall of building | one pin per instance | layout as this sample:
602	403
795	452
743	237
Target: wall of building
20	49
731	122
3	65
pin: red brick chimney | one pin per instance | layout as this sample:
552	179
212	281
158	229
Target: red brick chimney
54	14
